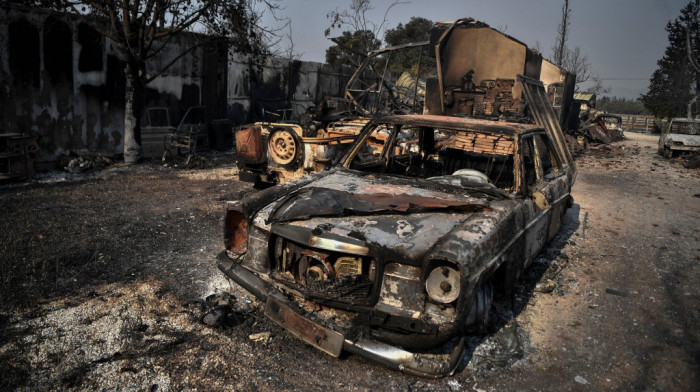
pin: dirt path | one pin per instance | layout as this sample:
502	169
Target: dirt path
102	278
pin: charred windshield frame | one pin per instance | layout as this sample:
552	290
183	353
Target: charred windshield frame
500	167
537	143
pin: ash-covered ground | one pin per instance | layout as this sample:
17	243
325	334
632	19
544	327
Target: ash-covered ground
105	277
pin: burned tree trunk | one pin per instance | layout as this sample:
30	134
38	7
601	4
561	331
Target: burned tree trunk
133	108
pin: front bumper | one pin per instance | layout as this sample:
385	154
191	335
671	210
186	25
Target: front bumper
682	147
280	310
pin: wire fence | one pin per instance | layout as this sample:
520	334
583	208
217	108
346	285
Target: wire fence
640	123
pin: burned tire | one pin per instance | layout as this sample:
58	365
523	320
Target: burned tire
478	320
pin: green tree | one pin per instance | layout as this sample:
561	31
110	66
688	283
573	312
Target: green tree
352	47
675	82
621	105
360	35
416	30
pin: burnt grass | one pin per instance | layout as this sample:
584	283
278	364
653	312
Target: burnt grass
64	232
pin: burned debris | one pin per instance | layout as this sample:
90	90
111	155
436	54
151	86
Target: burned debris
599	128
395	251
17	154
279	151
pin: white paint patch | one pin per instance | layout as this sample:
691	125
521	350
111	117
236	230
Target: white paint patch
404	229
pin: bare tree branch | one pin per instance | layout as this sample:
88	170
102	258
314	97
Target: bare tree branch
96	28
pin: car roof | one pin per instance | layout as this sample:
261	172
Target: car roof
458	123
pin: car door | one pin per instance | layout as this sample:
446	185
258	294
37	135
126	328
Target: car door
545	191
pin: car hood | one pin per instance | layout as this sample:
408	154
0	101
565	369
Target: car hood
687	140
401	217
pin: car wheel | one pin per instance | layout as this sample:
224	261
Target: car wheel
284	146
478	320
667	152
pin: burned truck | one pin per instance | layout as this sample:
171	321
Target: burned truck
394	253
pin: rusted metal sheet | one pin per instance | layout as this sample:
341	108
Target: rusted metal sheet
249	144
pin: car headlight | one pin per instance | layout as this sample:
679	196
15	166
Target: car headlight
442	284
236	232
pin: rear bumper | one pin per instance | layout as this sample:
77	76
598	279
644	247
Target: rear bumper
281	311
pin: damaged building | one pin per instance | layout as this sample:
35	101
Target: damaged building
63	83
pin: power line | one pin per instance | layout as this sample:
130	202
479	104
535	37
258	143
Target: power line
624	78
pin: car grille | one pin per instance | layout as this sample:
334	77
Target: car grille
323	275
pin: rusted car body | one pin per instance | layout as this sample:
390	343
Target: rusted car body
680	135
600	128
396	250
612	124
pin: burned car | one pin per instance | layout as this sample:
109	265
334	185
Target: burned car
395	252
680	135
612	124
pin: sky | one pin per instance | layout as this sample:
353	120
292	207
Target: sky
623	39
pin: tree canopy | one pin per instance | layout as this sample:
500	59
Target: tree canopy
416	30
621	105
360	35
674	84
352	47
